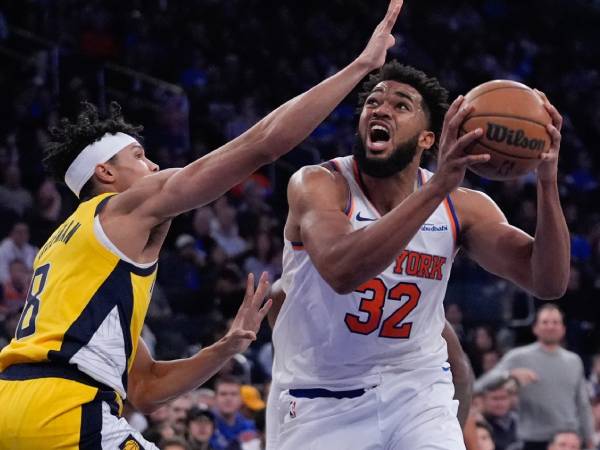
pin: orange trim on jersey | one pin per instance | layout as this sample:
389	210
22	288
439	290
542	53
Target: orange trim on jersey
297	245
452	221
349	209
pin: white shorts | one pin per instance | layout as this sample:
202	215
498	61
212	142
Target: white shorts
406	411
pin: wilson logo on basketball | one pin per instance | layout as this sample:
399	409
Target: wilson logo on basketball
516	138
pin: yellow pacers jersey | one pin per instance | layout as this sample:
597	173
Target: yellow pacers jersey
86	304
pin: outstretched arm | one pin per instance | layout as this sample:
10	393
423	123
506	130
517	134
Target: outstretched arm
152	383
158	198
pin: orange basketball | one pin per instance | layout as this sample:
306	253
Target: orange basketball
513	119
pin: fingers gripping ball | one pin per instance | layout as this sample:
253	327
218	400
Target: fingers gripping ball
513	119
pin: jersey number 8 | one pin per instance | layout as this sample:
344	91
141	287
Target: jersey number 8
26	326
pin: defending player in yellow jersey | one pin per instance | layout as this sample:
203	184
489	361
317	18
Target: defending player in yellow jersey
77	351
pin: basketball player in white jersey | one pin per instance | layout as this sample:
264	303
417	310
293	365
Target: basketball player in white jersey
460	366
369	243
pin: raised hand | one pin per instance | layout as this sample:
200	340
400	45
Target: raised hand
382	40
452	159
250	315
548	168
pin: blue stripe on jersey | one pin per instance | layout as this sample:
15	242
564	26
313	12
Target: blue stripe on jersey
454	217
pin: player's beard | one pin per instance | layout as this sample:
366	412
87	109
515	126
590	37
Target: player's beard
400	158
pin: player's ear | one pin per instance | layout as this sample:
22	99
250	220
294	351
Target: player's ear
104	173
426	139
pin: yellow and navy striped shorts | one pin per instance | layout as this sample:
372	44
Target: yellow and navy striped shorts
46	406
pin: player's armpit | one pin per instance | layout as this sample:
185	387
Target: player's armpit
277	294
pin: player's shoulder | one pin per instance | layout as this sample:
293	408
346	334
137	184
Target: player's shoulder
463	194
135	197
473	206
317	186
319	177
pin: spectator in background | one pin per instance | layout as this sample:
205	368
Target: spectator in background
14	290
205	396
178	411
489	359
596	414
224	230
47	212
502	421
454	316
233	430
262	257
484	436
594	378
174	443
8	325
180	274
482	340
205	244
252	402
552	394
565	440
16	247
13	196
200	427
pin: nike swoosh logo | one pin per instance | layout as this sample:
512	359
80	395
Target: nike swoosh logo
445	369
364	219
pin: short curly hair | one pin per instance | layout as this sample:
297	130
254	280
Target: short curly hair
69	138
435	96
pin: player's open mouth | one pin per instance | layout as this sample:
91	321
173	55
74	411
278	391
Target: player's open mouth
379	137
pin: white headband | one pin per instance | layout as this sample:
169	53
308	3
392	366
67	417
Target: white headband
82	168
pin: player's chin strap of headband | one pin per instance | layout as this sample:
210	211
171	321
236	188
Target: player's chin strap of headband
82	168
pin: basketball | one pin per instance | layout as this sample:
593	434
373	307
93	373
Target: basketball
513	119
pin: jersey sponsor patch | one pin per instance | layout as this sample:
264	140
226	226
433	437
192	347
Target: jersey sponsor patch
130	443
434	227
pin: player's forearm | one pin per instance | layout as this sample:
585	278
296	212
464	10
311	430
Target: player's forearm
462	378
550	257
169	379
363	254
462	374
210	177
290	124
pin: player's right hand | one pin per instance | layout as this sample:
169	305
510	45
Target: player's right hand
452	159
382	40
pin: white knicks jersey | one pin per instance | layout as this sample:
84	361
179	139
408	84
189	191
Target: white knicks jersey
392	322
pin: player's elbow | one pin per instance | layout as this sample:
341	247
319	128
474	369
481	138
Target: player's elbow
342	283
141	402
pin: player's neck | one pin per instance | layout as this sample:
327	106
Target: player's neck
387	193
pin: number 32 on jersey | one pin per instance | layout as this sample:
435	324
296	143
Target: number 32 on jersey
373	307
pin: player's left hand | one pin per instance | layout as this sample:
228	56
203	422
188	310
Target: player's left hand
548	168
250	315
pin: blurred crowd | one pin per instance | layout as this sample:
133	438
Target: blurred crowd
236	60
